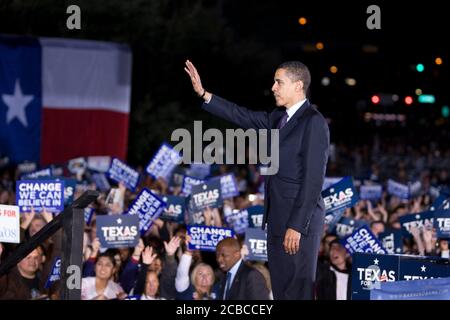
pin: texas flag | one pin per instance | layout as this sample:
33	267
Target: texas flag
63	98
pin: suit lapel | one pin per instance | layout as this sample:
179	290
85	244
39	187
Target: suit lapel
236	281
292	123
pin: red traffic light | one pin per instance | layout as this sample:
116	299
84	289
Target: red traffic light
408	100
375	99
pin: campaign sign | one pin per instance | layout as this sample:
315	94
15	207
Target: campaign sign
423	268
99	163
27	167
364	241
439	202
237	219
176	178
175	208
418	220
9	224
117	231
188	183
255	216
164	161
340	195
121	172
373	192
426	289
442	223
206	238
229	186
206	195
414	189
370	270
346	226
398	189
148	206
392	241
88	212
55	274
69	190
101	181
329	181
332	218
48	194
199	170
47	172
77	165
256	242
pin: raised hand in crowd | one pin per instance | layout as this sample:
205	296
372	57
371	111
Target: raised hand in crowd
27	217
417	238
148	256
428	239
48	216
172	246
138	249
383	212
95	248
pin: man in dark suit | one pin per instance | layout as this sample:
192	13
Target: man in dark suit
293	208
241	281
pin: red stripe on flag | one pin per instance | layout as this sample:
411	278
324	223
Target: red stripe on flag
71	133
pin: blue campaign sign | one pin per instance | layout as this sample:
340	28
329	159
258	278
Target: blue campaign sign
340	195
442	202
256	242
442	223
48	194
47	172
332	218
99	163
118	231
206	195
188	183
229	186
255	216
423	268
77	165
329	181
372	192
176	179
238	220
206	238
426	289
69	188
148	206
101	182
88	212
364	241
121	172
26	167
175	208
163	162
398	189
199	170
370	270
419	220
345	226
55	273
392	241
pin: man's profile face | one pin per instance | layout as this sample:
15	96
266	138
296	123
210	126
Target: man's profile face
285	91
227	257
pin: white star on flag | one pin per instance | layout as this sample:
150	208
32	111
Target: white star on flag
16	104
332	190
376	261
204	187
119	221
417	216
423	268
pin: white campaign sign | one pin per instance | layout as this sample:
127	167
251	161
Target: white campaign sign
9	224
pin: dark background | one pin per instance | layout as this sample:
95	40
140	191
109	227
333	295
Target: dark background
237	45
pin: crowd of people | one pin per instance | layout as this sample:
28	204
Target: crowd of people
161	265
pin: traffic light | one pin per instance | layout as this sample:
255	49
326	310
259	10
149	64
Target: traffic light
408	100
375	99
445	111
420	67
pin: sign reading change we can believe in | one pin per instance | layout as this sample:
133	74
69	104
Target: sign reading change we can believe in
206	238
40	194
363	240
121	172
164	162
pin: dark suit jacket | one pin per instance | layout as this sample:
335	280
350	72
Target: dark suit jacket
248	284
292	196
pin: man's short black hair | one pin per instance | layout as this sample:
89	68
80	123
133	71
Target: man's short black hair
297	71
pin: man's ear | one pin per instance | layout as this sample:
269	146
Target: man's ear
299	86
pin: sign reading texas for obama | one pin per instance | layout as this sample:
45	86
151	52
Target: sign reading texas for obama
148	206
206	238
121	172
117	231
340	195
206	195
48	194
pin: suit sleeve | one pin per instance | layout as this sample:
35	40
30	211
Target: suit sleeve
240	116
256	286
315	144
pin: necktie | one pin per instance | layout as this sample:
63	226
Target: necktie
283	120
227	286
